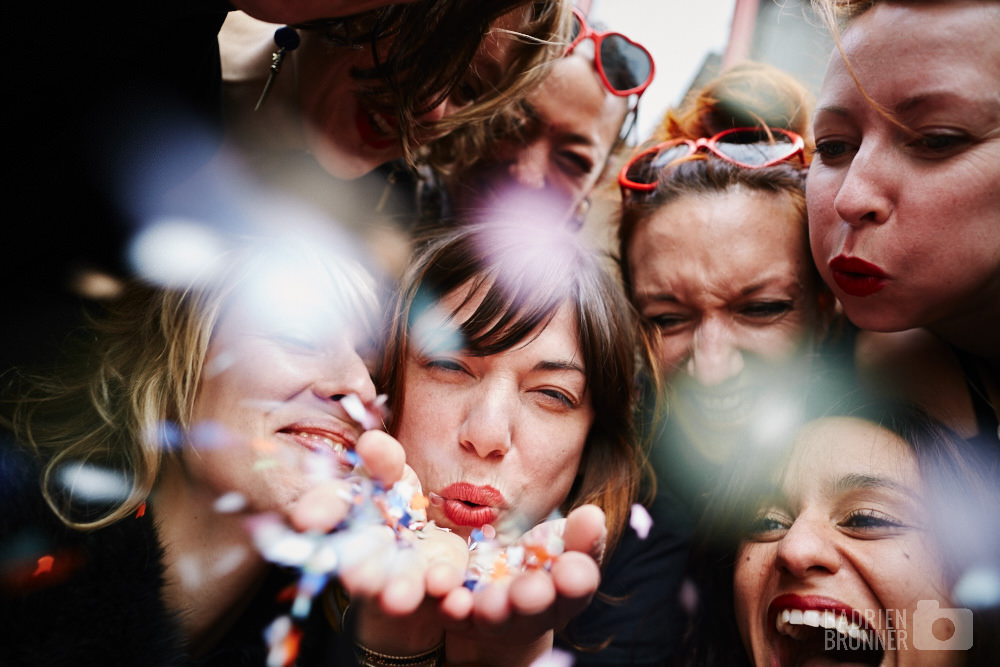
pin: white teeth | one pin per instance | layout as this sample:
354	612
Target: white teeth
335	446
721	402
787	619
730	409
381	123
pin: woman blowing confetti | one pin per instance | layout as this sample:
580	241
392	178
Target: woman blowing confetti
202	414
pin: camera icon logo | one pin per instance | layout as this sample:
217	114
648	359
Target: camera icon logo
936	629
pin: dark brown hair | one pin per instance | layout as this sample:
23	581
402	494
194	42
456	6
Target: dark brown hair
526	275
433	43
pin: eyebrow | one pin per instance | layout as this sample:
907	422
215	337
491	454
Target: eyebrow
670	297
768	282
861	482
661	297
560	366
924	99
936	98
834	109
534	120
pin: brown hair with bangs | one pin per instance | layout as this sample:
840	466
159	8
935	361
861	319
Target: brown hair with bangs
524	277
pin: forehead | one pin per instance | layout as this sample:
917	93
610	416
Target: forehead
728	234
931	46
573	99
496	50
305	293
833	448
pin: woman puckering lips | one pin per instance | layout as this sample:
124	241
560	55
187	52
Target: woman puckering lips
496	440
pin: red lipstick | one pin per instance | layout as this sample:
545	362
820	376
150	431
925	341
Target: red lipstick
369	133
469	505
857	277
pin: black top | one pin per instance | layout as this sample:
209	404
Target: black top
105	96
637	617
70	597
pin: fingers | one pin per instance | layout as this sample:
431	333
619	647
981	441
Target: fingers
576	576
404	588
532	593
446	556
321	508
586	531
383	456
365	559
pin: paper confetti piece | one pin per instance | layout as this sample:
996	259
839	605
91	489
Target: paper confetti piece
44	565
640	521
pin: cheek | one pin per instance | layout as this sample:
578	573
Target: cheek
753	563
213	405
785	343
902	575
556	465
823	220
426	424
671	351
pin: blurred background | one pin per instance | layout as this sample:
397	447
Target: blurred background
691	39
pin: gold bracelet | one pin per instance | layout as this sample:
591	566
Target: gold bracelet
369	658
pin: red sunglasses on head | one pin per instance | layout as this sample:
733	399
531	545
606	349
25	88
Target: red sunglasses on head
747	147
626	68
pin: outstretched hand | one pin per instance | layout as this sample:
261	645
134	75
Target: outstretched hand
513	621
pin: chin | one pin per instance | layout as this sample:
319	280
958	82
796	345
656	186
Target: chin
875	319
346	167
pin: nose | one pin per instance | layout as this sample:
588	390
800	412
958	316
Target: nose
864	196
529	166
806	549
344	372
442	110
715	356
487	427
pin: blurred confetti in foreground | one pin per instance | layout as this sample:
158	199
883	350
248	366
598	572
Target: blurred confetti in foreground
88	483
640	521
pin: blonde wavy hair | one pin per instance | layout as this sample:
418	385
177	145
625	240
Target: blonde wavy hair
125	399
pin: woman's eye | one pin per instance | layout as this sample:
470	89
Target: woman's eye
830	150
868	521
766	310
444	365
935	145
666	322
465	93
767	525
298	343
558	396
575	165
